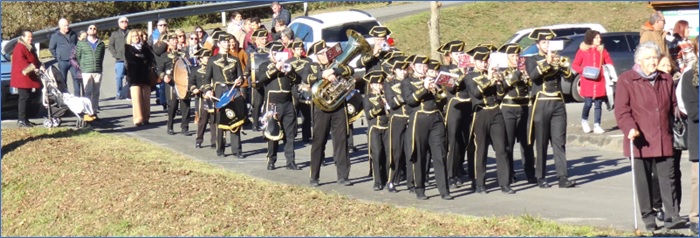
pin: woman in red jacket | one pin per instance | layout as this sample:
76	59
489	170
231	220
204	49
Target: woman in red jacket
591	53
23	76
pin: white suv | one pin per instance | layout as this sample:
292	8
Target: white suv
520	37
331	27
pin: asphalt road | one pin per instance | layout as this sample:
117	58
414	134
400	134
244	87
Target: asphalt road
602	198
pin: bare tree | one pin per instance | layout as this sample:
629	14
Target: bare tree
434	29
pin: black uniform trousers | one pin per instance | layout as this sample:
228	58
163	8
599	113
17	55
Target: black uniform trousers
397	156
489	126
287	116
379	154
335	122
516	119
428	136
549	118
664	167
204	119
236	146
173	102
459	118
257	99
304	110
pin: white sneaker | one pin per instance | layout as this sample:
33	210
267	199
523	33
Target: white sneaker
597	129
586	127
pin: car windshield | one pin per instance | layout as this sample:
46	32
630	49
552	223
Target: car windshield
337	33
532	49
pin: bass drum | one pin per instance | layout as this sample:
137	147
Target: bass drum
232	115
181	76
354	106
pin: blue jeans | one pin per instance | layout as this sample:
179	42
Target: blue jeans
119	73
587	103
160	93
63	67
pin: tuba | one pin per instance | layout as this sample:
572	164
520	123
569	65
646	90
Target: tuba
327	95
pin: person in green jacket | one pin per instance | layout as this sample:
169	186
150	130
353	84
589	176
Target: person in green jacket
90	54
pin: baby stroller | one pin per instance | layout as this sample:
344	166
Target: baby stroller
58	101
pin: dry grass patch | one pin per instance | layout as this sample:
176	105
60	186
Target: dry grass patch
83	183
495	22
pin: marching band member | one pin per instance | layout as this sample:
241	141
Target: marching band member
378	141
515	108
426	128
335	122
205	106
257	92
548	118
174	101
397	123
223	74
485	89
302	89
278	92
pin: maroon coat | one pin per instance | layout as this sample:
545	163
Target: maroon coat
649	110
588	56
24	61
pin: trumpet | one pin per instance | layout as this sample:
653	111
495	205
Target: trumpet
385	47
286	68
439	93
560	61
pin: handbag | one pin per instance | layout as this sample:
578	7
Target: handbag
680	133
592	73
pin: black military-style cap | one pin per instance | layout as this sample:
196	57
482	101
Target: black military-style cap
452	46
511	48
316	47
260	32
434	64
480	53
375	76
275	46
172	36
379	31
392	54
398	62
417	59
216	34
295	44
542	34
491	47
202	53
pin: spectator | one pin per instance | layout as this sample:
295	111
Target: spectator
73	59
235	26
116	48
139	61
23	75
242	56
201	34
90	54
680	48
644	105
192	48
181	40
666	65
246	28
279	13
61	44
161	29
279	27
156	37
591	53
254	26
653	30
688	94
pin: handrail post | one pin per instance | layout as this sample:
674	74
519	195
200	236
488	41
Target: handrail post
223	18
36	46
150	28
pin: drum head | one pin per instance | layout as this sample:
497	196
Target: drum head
181	72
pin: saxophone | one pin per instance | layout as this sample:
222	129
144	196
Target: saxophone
327	95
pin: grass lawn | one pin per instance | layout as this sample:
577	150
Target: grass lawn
495	22
83	183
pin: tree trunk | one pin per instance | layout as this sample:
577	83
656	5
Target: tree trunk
434	29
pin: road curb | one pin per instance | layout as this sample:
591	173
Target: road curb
607	141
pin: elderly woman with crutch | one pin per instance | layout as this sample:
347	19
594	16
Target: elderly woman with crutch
644	107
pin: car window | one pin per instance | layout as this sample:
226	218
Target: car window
571	31
615	43
633	40
530	50
303	32
337	33
525	42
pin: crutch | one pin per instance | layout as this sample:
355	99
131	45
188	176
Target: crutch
634	191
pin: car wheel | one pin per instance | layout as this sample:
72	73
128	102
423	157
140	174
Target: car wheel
576	88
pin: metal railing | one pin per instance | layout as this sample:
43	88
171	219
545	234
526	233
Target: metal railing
145	17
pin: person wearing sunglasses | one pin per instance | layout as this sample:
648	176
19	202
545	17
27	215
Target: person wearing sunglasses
90	54
117	42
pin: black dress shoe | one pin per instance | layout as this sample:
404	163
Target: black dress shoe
542	183
660	215
239	155
507	190
532	180
513	179
314	183
411	190
293	166
185	132
421	195
391	188
212	146
458	181
377	187
447	197
220	154
453	184
22	124
198	145
171	132
676	222
344	182
481	189
270	166
565	183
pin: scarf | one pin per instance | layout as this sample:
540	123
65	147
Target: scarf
638	68
137	46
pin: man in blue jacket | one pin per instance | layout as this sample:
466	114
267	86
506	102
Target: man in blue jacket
61	44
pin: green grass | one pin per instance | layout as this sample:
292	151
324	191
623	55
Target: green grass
495	22
83	183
